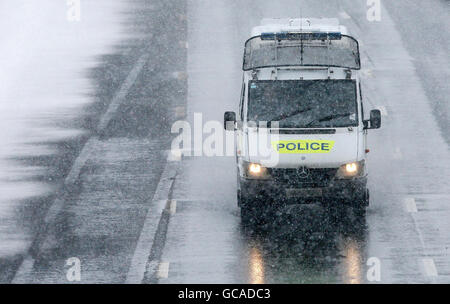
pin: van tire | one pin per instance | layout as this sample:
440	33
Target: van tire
246	203
250	214
360	210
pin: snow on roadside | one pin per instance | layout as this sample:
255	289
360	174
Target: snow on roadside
43	60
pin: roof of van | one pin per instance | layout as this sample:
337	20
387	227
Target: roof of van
279	25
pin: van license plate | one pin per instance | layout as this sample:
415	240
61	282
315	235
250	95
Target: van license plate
304	192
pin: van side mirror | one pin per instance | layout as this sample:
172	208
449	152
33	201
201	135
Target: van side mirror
229	121
375	119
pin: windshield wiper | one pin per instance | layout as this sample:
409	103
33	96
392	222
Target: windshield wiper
292	114
328	118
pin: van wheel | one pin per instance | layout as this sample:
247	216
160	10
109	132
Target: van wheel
250	216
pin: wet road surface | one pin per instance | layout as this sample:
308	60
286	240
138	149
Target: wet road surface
132	212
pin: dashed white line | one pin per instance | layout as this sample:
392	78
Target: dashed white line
429	267
163	270
173	207
410	205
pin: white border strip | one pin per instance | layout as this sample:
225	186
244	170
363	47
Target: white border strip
430	267
147	237
163	270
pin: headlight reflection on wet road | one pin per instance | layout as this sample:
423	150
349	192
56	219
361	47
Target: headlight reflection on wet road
353	263
256	269
336	256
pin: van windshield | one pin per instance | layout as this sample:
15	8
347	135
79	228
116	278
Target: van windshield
304	103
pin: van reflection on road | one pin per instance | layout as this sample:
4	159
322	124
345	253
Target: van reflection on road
256	269
353	263
305	251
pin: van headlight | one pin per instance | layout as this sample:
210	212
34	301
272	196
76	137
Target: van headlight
351	170
255	171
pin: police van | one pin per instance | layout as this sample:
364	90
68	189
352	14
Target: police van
301	90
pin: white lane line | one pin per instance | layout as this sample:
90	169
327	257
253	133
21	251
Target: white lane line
123	92
344	15
28	263
429	267
173	207
147	237
163	270
410	205
72	177
175	155
180	112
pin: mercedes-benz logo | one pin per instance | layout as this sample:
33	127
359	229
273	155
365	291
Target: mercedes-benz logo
303	172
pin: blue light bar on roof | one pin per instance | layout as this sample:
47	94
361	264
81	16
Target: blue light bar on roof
302	36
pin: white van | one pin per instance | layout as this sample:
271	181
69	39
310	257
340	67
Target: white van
301	86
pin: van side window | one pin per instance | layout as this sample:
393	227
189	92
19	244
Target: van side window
241	105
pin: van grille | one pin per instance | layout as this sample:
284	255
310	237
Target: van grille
304	177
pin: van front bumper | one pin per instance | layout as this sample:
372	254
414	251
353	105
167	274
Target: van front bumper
352	192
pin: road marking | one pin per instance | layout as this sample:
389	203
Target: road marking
163	270
72	177
344	15
154	215
180	112
174	155
410	205
173	207
430	267
398	153
123	92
